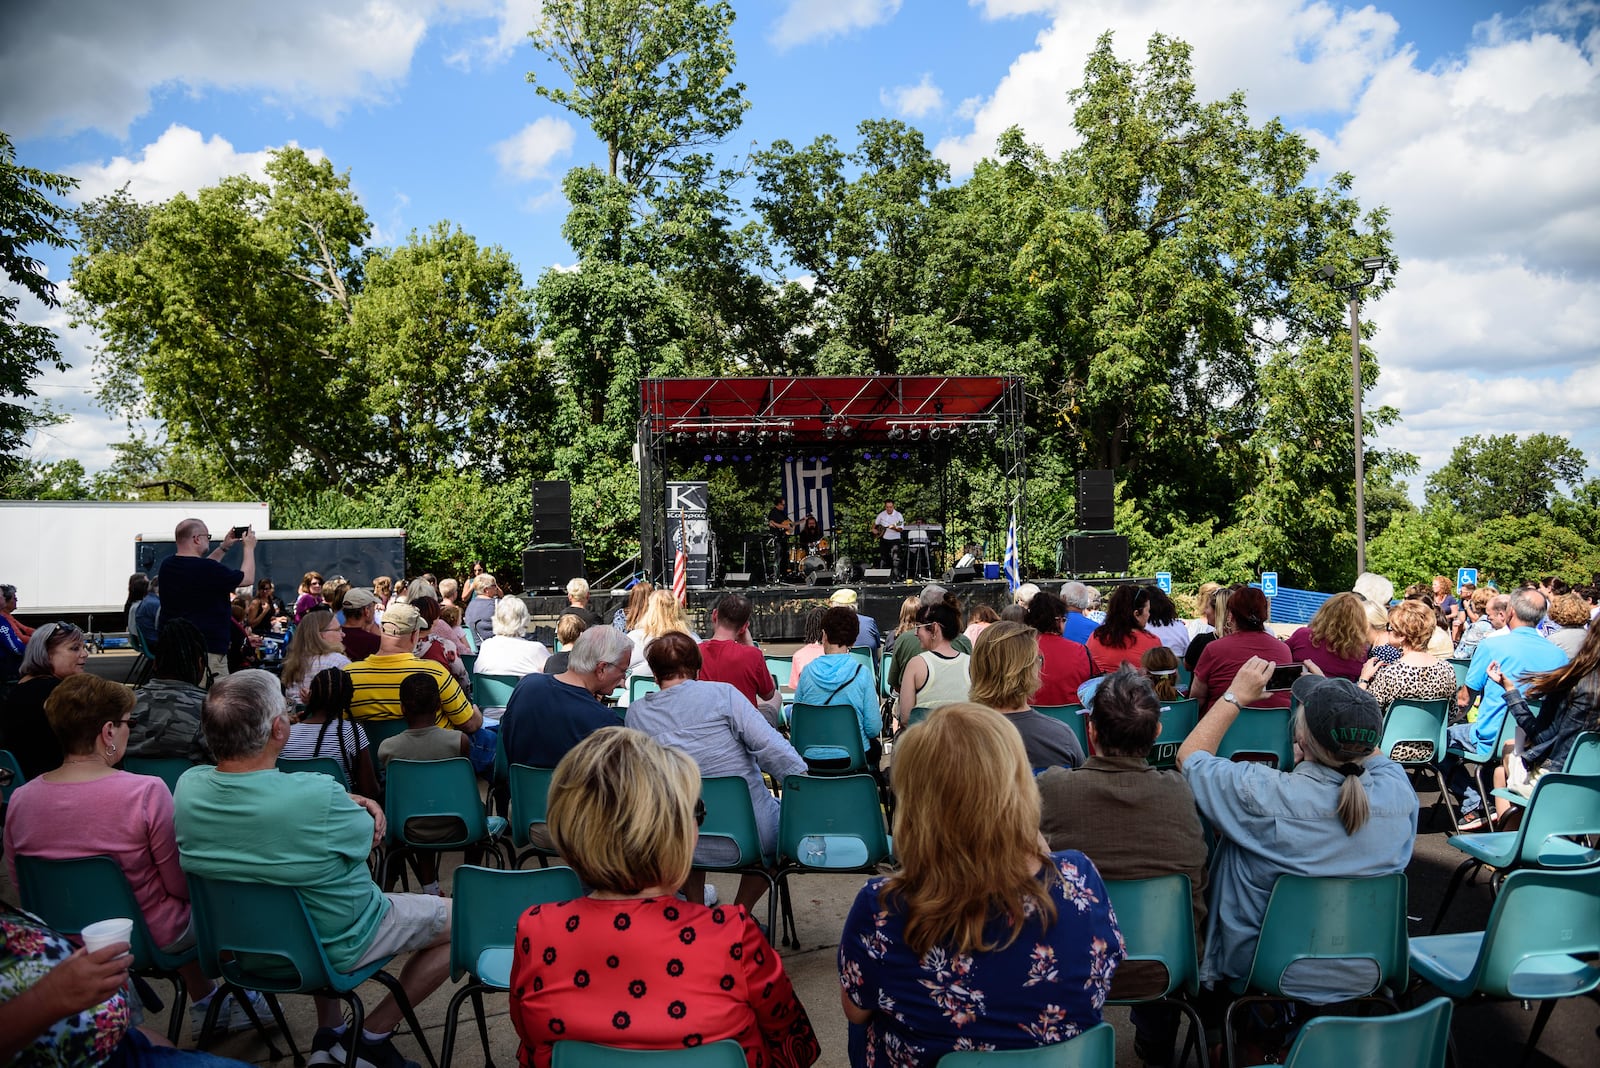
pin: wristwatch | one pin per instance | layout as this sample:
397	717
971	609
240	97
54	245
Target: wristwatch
1232	700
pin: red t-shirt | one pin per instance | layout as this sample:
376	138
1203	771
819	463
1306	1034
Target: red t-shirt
741	666
1066	667
1224	657
1107	659
1304	648
653	973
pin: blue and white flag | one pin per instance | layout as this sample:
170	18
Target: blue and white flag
1013	566
808	487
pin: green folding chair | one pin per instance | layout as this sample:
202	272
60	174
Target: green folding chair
828	824
256	936
885	662
530	787
1178	718
378	732
1562	811
1459	665
69	895
781	668
639	685
1421	725
1355	920
432	806
1262	735
1419	1038
1582	759
493	691
1539	945
488	906
1072	716
828	738
168	769
1095	1048
730	821
724	1054
319	765
1156	917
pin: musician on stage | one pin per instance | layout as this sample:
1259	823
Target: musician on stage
887	527
779	527
809	534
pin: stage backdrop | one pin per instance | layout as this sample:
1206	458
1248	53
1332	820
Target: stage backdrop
808	487
687	507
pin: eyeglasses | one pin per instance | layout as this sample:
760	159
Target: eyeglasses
129	720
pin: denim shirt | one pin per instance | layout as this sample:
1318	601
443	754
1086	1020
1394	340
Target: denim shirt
1271	823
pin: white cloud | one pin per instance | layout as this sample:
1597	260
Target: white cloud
94	64
515	19
181	160
803	21
528	153
913	101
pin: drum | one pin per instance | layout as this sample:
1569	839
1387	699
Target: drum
813	563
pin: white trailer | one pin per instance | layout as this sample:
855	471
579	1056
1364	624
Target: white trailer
70	558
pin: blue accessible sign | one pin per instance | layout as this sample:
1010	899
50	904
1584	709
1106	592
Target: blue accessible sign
1164	582
1269	583
1465	575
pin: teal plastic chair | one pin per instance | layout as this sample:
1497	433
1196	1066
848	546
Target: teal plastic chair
1178	718
828	738
885	662
321	765
724	1054
1563	808
1482	767
918	714
1095	1048
639	685
1539	945
730	820
831	824
1326	919
167	769
1260	734
378	732
469	661
1419	1038
530	787
1459	665
1072	716
1156	917
488	906
69	895
866	658
1419	723
438	791
781	668
1582	759
1185	676
11	776
256	936
143	663
493	691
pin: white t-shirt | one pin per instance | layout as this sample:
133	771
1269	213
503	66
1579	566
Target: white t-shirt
501	655
886	520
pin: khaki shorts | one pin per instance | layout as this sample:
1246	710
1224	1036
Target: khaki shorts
218	662
414	921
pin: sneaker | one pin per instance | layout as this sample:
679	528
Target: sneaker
327	1047
378	1055
231	1017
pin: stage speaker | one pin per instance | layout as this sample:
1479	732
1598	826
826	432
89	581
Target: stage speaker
736	578
962	574
1096	554
875	574
552	512
1096	500
550	569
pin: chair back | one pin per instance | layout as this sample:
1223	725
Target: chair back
487	905
843	812
918	714
1584	756
1563	807
827	737
1185	676
730	818
864	655
493	691
1072	716
885	664
639	685
724	1054
1260	734
1095	1048
167	769
1157	921
321	765
1542	936
69	895
469	661
430	789
1329	919
1177	720
1417	722
378	732
1419	1039
259	936
529	789
1459	664
781	668
12	776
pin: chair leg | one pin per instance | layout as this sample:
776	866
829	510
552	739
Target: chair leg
358	1019
261	1028
1465	868
483	1027
180	999
790	936
1546	1007
404	1002
447	1044
1196	1036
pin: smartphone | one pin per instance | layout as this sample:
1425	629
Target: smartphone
238	532
1283	676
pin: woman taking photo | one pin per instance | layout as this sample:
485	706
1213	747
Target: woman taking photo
1247	637
982	938
1122	638
632	964
1336	639
1418	674
55	652
318	643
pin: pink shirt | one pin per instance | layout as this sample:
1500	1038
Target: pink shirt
126	817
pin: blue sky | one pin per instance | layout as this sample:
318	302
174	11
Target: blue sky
1477	123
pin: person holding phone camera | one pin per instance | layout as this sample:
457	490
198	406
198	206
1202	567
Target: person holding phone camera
195	585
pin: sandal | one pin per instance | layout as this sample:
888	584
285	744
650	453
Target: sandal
1477	822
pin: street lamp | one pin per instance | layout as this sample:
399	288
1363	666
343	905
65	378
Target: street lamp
1371	266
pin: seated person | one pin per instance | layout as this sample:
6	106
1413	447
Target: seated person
1161	665
1005	673
1336	639
328	706
730	655
982	939
840	678
510	652
941	673
166	710
423	738
568	628
318	643
246	799
1064	663
549	714
630	963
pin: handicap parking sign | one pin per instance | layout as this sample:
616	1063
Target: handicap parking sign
1164	581
1269	583
1465	575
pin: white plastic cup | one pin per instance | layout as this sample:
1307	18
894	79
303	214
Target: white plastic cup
105	933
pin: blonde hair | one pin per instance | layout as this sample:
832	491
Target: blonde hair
569	626
578	590
1413	623
908	614
966	830
621	811
1340	625
638	599
1005	666
1219	611
1353	808
308	644
663	615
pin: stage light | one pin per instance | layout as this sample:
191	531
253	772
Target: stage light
935	434
748	457
866	456
830	432
723	437
896	433
763	436
974	430
916	433
703	436
718	457
744	437
706	457
848	430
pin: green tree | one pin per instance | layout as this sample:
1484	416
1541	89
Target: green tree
29	218
1512	549
1503	475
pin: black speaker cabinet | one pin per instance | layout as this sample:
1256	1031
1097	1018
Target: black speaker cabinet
551	569
1096	500
736	578
875	574
552	512
1097	554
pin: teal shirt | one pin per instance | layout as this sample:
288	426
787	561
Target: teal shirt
286	830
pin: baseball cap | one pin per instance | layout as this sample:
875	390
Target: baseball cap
359	598
1341	716
402	619
843	597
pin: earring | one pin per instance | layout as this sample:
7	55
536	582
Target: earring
111	750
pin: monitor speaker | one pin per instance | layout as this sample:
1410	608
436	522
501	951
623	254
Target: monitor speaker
551	569
1096	500
552	512
1097	554
962	574
875	574
736	578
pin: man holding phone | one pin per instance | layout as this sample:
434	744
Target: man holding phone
196	586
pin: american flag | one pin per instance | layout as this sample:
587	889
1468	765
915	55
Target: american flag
680	575
808	487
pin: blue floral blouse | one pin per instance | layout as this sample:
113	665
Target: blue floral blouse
1046	987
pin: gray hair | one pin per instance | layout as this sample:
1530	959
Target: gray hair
237	716
1075	595
46	639
1024	593
596	646
932	595
1528	606
421	587
510	617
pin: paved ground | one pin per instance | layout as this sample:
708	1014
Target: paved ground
1488	1034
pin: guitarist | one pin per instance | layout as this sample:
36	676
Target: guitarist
888	528
779	527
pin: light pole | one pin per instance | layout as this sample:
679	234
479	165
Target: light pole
1370	267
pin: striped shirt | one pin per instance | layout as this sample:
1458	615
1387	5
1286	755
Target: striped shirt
377	688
